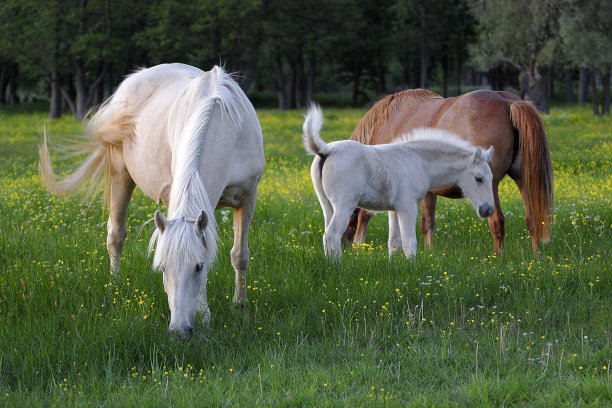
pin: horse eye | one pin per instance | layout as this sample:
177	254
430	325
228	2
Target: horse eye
198	267
162	268
478	179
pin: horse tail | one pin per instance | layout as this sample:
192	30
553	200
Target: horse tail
536	169
311	129
106	132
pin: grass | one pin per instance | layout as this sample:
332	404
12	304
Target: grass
457	326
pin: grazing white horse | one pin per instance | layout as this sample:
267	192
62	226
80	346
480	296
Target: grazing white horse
392	177
190	140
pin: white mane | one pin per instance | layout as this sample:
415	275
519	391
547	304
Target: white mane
188	195
437	136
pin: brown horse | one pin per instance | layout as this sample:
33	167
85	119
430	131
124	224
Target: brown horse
485	118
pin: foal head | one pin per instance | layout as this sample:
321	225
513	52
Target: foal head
476	180
182	258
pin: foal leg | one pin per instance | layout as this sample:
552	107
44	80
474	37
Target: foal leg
333	232
316	177
395	237
407	222
428	218
122	187
240	251
362	226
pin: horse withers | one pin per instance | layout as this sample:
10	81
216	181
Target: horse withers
484	118
190	140
392	177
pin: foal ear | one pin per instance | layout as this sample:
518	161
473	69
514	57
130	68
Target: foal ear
478	155
488	154
160	221
201	222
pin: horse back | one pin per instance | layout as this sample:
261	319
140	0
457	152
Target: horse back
481	117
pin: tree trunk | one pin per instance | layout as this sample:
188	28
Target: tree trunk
594	102
583	86
380	74
81	91
280	84
424	45
356	82
569	86
3	84
55	105
312	65
445	73
605	82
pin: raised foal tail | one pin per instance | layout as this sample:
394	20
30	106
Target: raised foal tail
106	132
536	181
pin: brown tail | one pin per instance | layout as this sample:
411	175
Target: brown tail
103	136
536	169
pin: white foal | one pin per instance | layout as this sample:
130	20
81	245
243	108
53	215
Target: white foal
392	177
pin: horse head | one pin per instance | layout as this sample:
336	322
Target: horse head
181	257
476	182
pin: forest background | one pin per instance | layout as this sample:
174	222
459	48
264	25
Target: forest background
73	53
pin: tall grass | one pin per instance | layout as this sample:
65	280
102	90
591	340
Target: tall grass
458	325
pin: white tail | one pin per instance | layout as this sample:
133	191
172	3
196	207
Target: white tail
311	128
102	136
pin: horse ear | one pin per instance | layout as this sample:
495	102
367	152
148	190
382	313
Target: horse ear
489	154
478	155
160	221
201	222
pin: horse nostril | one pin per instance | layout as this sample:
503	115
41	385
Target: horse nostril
189	331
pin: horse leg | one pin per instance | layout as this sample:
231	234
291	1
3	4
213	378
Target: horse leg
333	232
395	237
497	221
326	206
428	218
122	187
407	223
349	234
362	225
535	239
240	251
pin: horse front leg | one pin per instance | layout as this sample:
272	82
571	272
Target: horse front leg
362	225
122	187
240	251
428	218
497	221
407	222
395	237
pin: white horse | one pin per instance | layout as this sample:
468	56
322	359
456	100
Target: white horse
190	140
392	177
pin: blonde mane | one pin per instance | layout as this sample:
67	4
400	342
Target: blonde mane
188	194
380	112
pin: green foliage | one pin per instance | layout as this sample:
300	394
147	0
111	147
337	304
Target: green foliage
585	28
458	325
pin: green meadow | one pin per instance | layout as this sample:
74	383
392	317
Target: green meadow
457	326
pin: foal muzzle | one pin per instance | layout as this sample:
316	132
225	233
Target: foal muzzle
485	210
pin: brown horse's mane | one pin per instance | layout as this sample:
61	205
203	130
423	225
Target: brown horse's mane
384	108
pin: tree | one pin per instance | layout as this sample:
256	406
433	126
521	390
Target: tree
522	33
586	33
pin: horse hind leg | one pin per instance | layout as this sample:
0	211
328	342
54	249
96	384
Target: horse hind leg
428	218
121	189
497	221
239	253
333	232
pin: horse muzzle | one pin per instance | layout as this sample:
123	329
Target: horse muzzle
485	210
